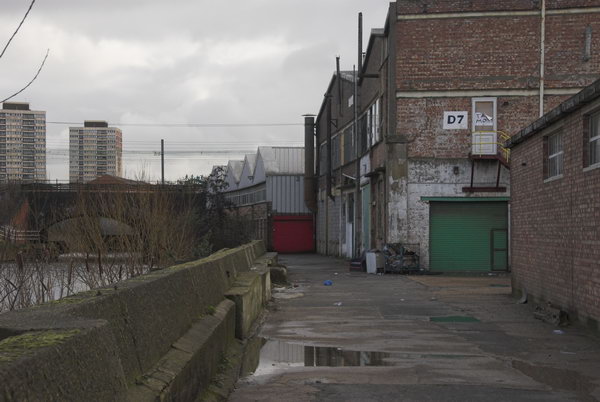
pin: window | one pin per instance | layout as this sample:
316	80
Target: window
554	154
594	139
374	123
484	114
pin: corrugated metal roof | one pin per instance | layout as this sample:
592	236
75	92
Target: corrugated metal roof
234	169
282	160
250	160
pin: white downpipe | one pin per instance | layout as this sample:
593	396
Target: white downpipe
542	56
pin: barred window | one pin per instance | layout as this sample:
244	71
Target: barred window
554	155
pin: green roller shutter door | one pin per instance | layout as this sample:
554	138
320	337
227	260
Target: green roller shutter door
461	236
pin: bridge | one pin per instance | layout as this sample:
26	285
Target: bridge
34	211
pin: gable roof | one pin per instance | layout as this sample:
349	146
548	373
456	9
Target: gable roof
234	169
345	75
250	162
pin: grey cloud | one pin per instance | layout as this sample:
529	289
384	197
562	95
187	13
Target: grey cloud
157	61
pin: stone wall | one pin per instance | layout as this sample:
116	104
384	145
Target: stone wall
110	343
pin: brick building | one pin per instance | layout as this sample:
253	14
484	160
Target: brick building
555	207
449	81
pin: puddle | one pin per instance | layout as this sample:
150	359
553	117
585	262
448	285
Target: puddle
271	356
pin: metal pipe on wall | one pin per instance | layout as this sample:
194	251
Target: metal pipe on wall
357	163
329	150
356	143
542	56
360	43
340	86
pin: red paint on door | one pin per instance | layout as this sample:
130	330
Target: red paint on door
293	233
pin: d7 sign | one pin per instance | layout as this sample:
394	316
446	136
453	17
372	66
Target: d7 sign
456	120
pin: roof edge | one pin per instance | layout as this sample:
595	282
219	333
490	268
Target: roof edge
582	98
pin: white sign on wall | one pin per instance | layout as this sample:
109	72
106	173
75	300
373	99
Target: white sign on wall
456	120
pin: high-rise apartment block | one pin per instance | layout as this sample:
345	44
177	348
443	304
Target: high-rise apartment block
94	150
22	143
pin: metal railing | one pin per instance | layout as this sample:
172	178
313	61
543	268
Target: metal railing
501	138
10	234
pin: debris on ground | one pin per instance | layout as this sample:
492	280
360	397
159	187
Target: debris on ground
337	304
328	283
551	315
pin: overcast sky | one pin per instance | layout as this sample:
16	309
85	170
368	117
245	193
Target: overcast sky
179	61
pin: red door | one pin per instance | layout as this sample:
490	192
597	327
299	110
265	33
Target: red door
293	233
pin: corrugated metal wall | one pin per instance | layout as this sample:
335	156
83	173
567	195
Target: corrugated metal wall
289	159
286	194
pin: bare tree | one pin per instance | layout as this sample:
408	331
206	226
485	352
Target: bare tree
110	234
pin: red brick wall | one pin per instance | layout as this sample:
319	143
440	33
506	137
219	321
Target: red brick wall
486	53
565	37
468	53
427	137
556	225
451	6
445	6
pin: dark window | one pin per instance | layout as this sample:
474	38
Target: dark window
553	155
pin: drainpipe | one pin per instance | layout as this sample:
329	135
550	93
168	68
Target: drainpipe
542	56
356	143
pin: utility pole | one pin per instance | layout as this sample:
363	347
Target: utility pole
162	161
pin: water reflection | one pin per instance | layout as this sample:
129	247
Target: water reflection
276	356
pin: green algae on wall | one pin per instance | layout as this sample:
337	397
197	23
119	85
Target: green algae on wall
16	346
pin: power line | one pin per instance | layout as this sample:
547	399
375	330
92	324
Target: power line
185	125
17	30
32	80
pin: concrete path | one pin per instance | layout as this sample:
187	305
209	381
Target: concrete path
417	338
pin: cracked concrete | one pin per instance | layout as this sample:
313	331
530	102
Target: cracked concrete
492	349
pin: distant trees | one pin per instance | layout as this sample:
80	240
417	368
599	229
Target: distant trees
113	233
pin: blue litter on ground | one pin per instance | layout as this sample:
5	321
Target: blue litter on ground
328	283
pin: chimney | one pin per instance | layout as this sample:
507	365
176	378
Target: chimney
310	195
